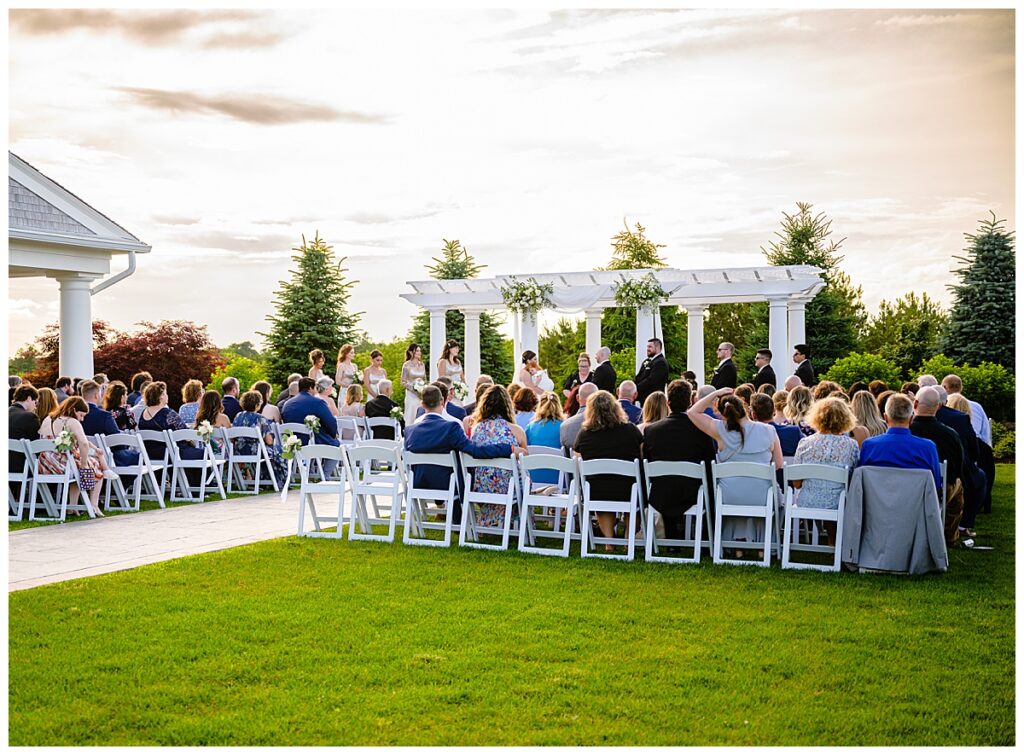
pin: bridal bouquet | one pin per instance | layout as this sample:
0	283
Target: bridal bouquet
357	376
312	422
417	386
397	413
290	445
460	389
205	431
64	442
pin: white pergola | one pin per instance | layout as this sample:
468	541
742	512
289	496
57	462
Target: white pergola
52	233
787	289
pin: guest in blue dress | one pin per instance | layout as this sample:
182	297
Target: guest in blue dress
190	394
524	403
543	431
250	416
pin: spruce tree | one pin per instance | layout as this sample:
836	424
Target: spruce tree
982	320
455	263
310	312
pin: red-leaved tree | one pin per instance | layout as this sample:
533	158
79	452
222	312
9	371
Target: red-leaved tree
46	372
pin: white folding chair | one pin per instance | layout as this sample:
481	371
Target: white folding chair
630	509
63	480
115	485
694	519
370	423
942	498
352	424
556	518
794	514
237	463
469	535
159	462
210	468
370	481
311	456
308	439
20	477
762	507
563	503
143	471
416	511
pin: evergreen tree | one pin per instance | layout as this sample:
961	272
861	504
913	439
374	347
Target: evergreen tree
836	316
455	263
906	332
310	312
634	251
982	320
560	346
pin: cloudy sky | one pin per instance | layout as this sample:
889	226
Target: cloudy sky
220	138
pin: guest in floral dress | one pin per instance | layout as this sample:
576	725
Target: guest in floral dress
250	416
493	423
89	460
798	406
833	420
190	394
115	401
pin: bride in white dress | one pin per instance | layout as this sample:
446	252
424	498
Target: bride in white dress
450	365
412	370
532	376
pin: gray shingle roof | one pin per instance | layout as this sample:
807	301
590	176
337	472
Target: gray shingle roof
28	211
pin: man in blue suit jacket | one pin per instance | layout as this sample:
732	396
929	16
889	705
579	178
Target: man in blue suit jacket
435	435
627	400
101	422
296	409
897	447
229	387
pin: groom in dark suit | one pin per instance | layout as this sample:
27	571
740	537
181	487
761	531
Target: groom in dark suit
653	372
725	372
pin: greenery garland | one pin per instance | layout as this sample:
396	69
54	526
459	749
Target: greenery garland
641	293
527	297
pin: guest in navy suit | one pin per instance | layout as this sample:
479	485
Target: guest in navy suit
433	434
229	387
296	409
101	422
627	399
975	482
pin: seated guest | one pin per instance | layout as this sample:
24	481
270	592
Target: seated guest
877	387
353	406
493	423
627	399
744	392
543	430
975	483
448	410
898	447
304	404
325	392
22	423
789	435
740	439
926	380
676	438
606	433
869	422
881	398
798	405
703	392
483	380
954	386
525	404
831	445
91	463
655	409
824	389
284	394
451	407
251	402
46	403
157	415
910	389
434	434
211	409
571	427
136	410
101	422
382	406
467	423
115	401
947	442
13	381
767	389
779	399
136	383
101	379
229	387
289	393
268	410
190	395
793	381
63	388
860	385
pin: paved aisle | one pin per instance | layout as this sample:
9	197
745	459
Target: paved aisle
59	552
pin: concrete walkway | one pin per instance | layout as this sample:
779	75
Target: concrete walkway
58	552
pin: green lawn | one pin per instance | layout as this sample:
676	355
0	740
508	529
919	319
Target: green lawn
319	642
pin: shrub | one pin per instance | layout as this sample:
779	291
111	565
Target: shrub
863	367
1004	438
247	371
991	385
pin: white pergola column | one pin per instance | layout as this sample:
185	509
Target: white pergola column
778	339
75	350
517	342
528	336
437	339
593	331
644	333
471	347
695	341
797	334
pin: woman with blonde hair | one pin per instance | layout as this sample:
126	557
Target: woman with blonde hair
869	422
798	405
543	430
959	402
190	394
655	409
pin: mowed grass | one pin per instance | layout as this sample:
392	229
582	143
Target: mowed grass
304	642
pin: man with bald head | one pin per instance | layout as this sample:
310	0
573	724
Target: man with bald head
792	382
627	399
950	450
604	373
571	427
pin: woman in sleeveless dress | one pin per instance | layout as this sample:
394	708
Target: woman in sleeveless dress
493	423
92	467
345	375
352	407
373	374
412	370
450	366
316	360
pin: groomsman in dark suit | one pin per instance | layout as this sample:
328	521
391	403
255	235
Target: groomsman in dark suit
604	373
725	372
765	374
804	369
653	372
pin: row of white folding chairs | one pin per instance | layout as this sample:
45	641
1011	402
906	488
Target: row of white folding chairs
34	484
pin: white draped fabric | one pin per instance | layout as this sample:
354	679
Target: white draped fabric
571	300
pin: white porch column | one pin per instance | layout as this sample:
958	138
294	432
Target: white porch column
657	326
695	341
437	339
471	347
797	334
528	336
593	331
644	333
517	342
778	340
75	350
